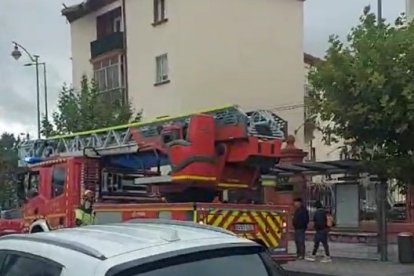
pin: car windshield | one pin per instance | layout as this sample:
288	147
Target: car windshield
227	262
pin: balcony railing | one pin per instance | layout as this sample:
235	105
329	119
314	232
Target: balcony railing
114	41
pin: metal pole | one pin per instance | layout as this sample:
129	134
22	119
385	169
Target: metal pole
125	65
384	228
379	215
379	12
35	60
382	218
37	95
382	190
45	84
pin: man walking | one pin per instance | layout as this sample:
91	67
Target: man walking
320	220
300	224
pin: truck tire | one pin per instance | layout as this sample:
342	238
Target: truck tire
39	225
36	229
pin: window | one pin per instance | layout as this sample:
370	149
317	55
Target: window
108	23
117	24
33	184
229	262
58	181
107	73
162	69
109	78
16	264
160	15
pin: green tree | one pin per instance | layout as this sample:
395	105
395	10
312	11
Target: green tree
87	109
8	164
364	89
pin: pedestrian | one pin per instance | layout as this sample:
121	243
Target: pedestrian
320	224
300	224
84	214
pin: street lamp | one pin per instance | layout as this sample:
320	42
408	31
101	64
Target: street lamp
44	83
16	54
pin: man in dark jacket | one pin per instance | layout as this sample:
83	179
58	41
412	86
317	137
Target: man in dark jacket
300	224
320	224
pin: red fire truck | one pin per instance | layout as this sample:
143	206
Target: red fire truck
203	167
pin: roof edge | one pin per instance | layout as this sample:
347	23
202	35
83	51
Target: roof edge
77	11
74	246
311	60
74	12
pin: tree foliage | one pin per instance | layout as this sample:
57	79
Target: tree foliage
365	90
8	165
87	109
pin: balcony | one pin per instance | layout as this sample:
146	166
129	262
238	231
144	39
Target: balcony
114	41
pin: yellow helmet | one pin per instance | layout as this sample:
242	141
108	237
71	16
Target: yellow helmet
88	194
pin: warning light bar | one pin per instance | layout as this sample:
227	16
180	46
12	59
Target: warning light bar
33	160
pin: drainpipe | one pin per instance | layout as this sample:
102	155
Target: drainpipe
126	96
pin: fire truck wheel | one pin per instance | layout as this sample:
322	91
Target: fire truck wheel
37	229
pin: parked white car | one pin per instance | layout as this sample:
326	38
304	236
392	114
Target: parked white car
143	247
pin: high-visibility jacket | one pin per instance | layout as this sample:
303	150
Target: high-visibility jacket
85	217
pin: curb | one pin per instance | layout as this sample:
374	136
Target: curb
300	273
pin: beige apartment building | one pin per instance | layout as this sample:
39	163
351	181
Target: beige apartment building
318	150
409	9
174	56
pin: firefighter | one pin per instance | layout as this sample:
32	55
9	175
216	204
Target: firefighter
84	214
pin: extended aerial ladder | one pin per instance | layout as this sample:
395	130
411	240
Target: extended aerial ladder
204	151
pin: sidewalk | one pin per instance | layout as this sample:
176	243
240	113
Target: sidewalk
352	259
351	250
350	267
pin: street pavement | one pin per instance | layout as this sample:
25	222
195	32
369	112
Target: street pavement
351	260
350	267
304	274
352	250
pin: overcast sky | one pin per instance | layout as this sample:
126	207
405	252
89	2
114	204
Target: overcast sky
43	31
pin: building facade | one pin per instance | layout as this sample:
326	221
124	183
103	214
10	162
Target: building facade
318	150
409	9
174	56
